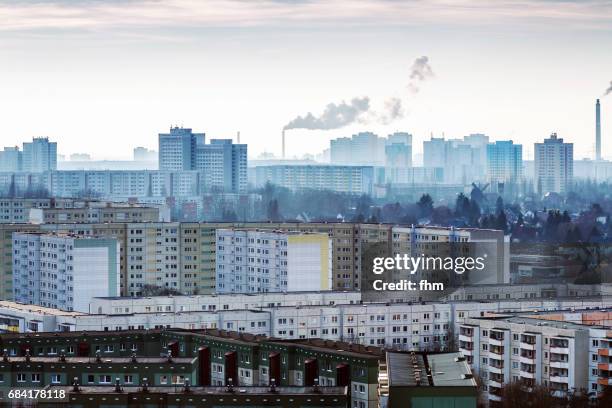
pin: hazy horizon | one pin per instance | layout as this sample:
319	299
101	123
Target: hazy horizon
102	77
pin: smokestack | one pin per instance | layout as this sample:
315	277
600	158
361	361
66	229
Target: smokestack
238	138
283	143
597	132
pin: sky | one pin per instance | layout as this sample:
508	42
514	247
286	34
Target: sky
102	77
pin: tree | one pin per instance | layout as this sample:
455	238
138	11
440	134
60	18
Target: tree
501	222
462	206
425	205
273	212
499	205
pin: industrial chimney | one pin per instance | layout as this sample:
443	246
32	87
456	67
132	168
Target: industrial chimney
597	132
283	143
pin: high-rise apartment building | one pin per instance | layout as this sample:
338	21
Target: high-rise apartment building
254	261
64	271
504	162
39	156
462	160
364	148
143	154
222	164
177	149
367	149
10	160
554	165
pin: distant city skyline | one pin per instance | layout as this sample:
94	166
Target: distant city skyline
102	78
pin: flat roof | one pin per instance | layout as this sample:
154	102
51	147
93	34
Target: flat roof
103	360
406	370
238	390
450	370
428	370
23	307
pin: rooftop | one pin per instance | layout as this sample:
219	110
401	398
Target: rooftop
428	370
22	307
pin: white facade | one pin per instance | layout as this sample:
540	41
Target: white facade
253	261
527	349
554	165
345	179
64	272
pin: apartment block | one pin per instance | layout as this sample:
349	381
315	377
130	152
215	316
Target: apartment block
253	261
66	210
39	155
530	350
203	358
340	178
63	271
554	165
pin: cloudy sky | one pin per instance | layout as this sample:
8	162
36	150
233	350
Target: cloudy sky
105	76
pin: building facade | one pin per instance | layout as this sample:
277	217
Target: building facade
255	261
554	165
62	271
39	155
504	162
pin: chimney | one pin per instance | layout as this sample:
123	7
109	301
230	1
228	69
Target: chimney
238	138
283	143
597	132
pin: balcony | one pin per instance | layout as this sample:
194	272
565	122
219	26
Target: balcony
604	381
528	360
527	374
605	366
496	398
496	340
466	332
496	356
496	370
559	364
559	379
466	352
495	384
528	342
559	350
465	338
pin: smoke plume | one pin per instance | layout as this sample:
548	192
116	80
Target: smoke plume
334	116
337	115
419	72
394	110
609	90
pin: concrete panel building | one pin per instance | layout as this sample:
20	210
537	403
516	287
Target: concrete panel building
63	271
253	261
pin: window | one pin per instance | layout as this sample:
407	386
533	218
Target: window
91	378
21	377
128	379
36	378
163	379
105	379
56	378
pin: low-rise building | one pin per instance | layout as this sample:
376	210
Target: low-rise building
414	380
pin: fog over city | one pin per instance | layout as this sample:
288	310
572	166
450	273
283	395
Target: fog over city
84	71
